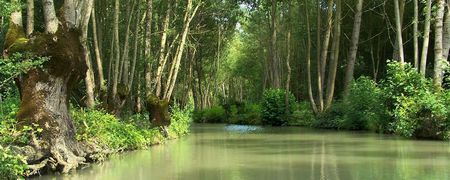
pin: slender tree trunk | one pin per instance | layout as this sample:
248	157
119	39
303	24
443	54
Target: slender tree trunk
326	42
438	55
124	66
275	70
396	52
335	58
89	79
426	39
399	32
51	22
98	56
446	43
288	58
30	17
308	59
353	48
148	47
135	50
416	34
319	64
177	59
115	73
162	51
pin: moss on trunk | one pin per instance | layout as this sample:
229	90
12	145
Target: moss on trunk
45	93
158	113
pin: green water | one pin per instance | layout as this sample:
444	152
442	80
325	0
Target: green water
220	152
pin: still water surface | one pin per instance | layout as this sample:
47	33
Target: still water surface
221	152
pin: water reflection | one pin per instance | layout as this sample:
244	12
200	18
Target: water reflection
250	152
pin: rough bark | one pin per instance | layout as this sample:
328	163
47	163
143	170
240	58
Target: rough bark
159	113
426	39
438	55
45	95
353	48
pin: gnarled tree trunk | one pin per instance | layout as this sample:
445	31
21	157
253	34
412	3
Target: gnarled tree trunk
44	93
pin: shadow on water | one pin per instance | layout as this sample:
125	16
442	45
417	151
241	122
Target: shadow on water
253	152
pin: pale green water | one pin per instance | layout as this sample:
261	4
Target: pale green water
219	152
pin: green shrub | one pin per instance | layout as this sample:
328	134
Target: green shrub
425	116
364	106
180	120
274	110
331	119
250	115
12	166
416	110
302	115
215	114
401	81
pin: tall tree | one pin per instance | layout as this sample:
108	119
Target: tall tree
308	58
349	72
273	47
288	57
416	34
331	81
148	47
438	55
426	38
398	26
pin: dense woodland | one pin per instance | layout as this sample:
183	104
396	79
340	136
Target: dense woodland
122	65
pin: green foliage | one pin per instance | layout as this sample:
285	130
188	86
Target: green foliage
180	120
7	7
17	64
364	106
274	110
215	114
10	134
332	119
107	131
424	116
12	165
302	115
403	80
249	115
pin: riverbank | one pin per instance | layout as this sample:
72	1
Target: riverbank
99	135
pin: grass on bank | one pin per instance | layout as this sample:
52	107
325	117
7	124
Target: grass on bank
108	133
